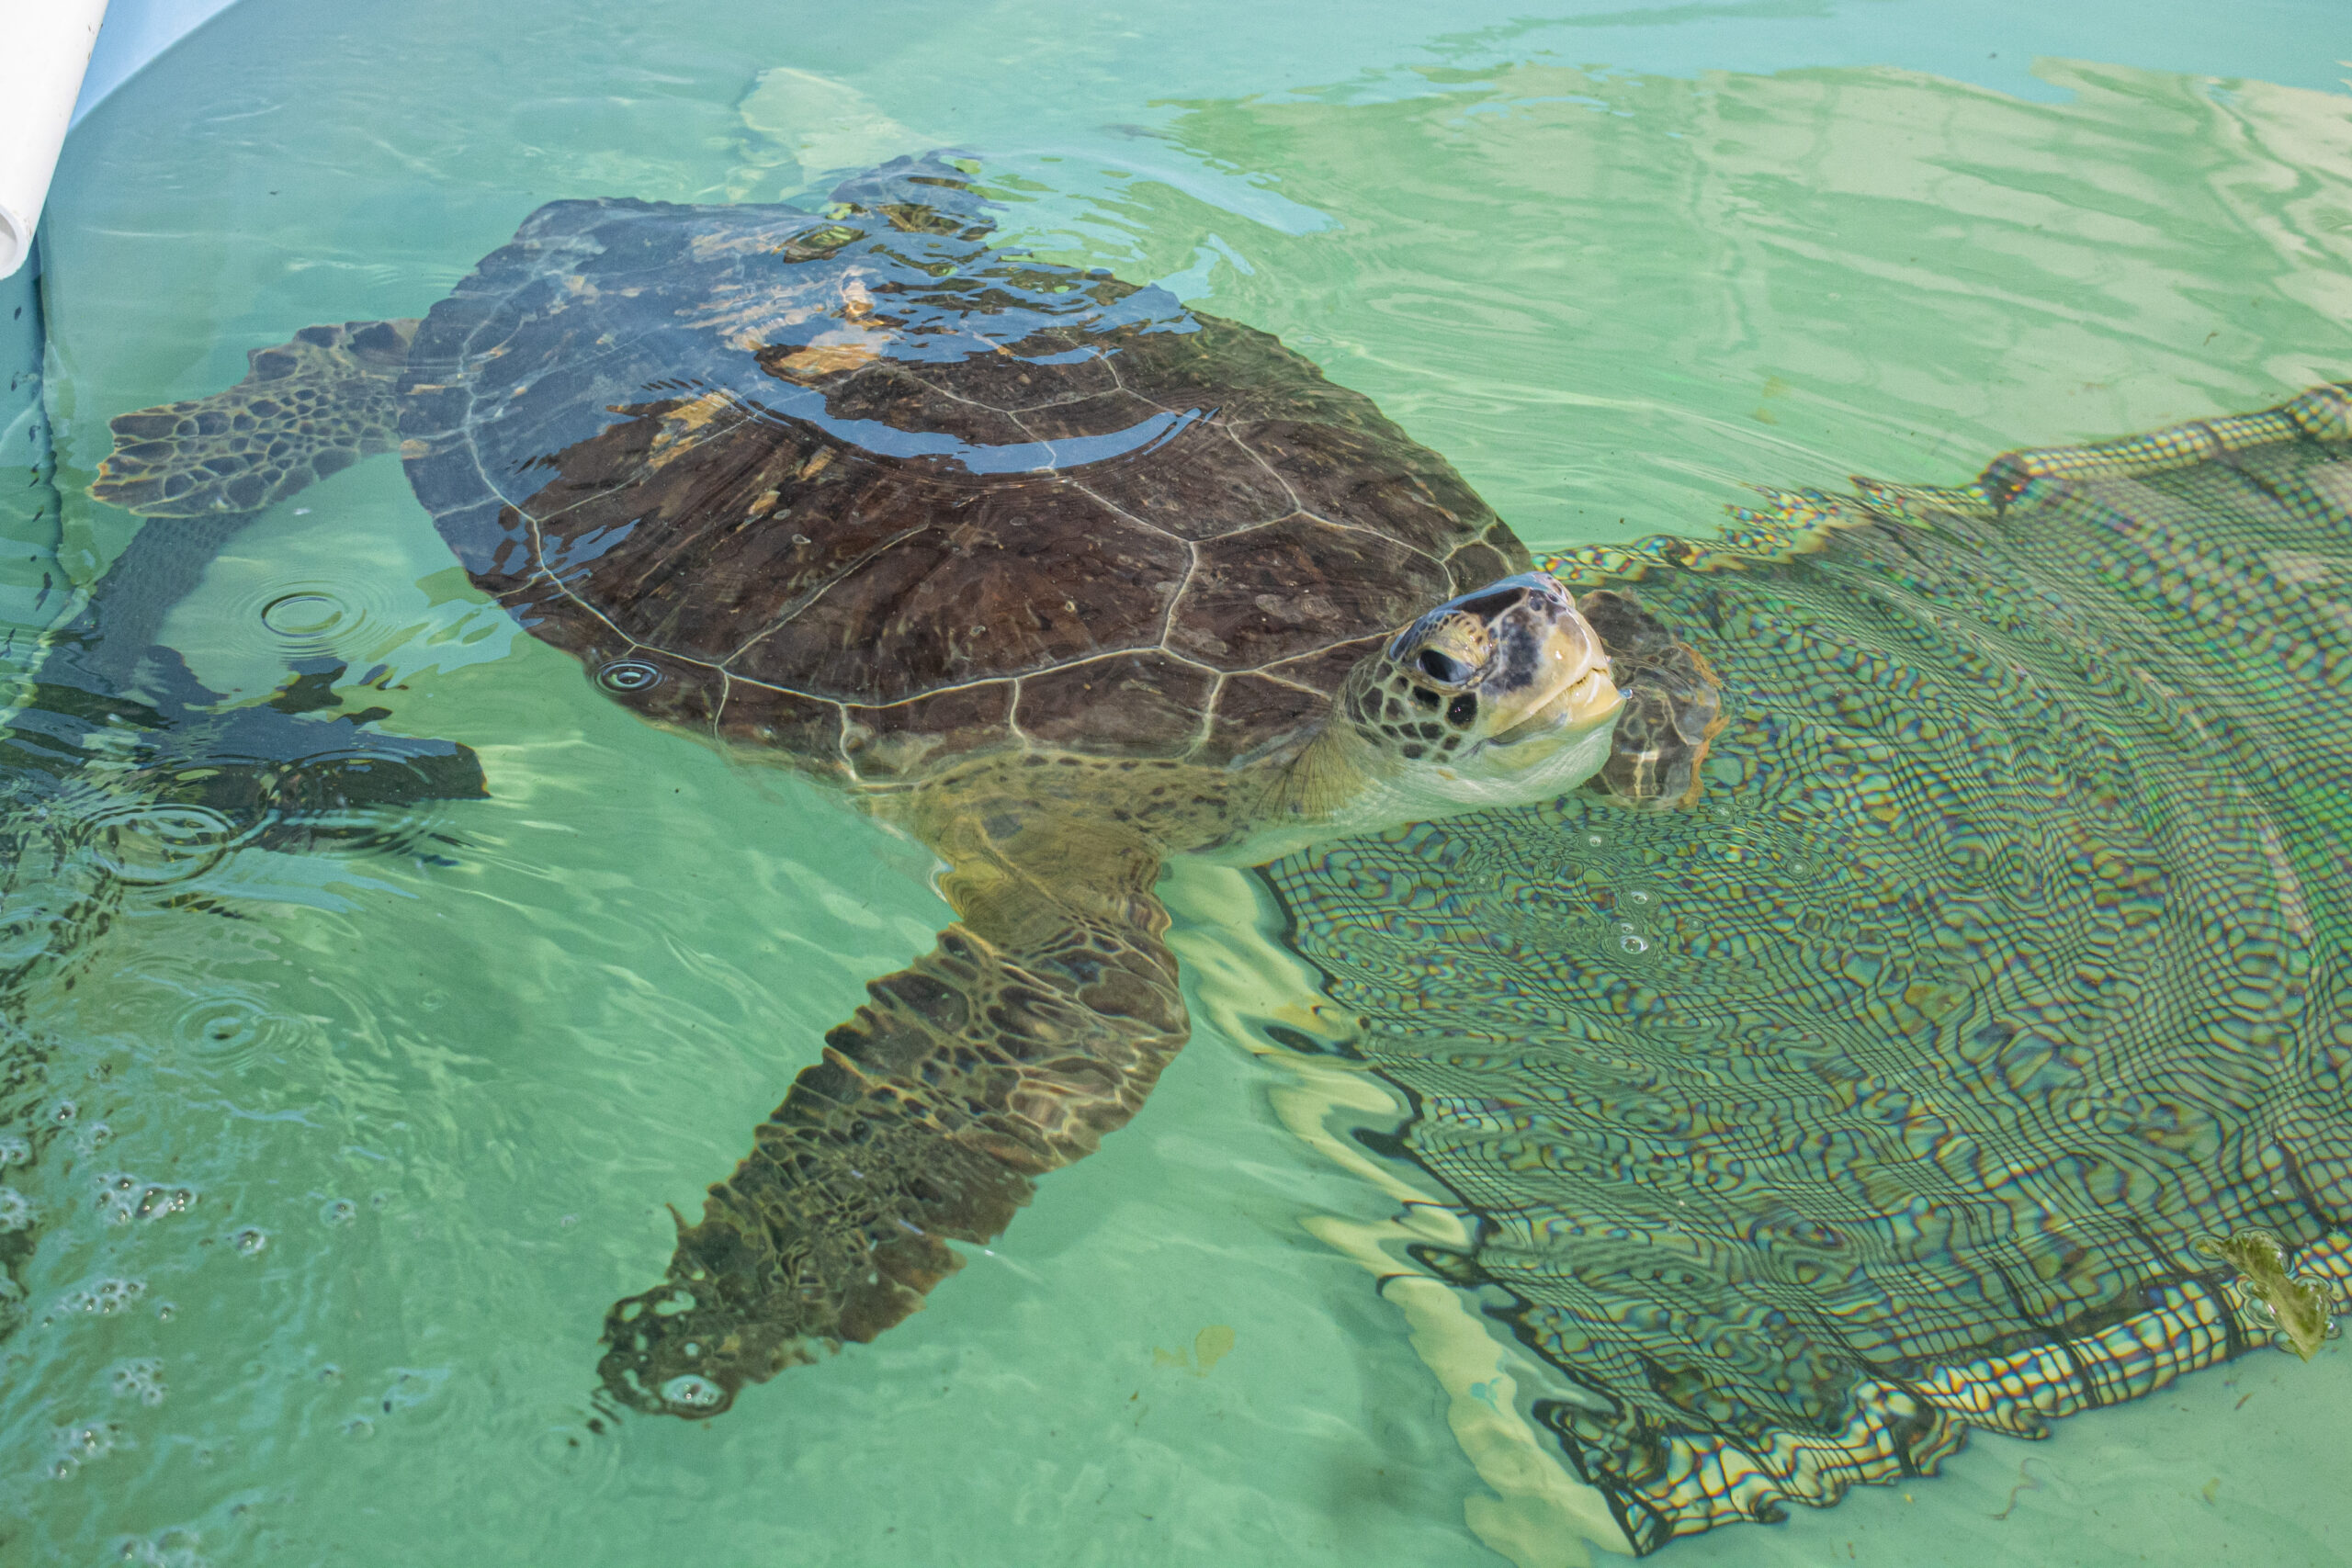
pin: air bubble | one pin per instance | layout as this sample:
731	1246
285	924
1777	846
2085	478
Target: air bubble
220	1024
1593	839
626	675
1633	944
693	1393
359	1428
249	1241
1638	897
15	1151
410	1389
153	845
305	618
339	1212
16	1211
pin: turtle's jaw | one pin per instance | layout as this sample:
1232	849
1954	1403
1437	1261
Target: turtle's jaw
1572	695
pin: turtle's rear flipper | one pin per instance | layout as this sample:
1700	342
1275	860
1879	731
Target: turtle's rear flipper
287	774
111	717
1038	1024
307	408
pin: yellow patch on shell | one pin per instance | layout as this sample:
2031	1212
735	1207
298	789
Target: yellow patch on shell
689	424
819	360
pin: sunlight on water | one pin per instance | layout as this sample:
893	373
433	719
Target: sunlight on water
319	1162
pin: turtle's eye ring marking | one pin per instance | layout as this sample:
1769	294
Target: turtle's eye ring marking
1444	667
1462	710
629	675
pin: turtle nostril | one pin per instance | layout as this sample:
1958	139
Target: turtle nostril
1451	671
1461	711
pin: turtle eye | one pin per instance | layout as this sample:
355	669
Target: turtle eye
1442	667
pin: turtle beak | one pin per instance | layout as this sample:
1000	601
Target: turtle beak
1551	680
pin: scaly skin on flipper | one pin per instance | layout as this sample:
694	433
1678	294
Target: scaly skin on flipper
307	408
1673	706
2300	1306
1038	1024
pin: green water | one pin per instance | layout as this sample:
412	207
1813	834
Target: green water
429	1114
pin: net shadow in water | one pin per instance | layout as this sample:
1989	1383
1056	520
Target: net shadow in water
1893	1090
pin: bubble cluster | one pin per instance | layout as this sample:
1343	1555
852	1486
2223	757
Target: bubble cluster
16	1211
142	1379
173	1547
106	1298
123	1197
82	1441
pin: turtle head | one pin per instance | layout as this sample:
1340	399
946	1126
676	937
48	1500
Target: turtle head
1495	698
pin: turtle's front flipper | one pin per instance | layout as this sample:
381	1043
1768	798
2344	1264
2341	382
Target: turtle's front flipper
1038	1023
307	408
1673	706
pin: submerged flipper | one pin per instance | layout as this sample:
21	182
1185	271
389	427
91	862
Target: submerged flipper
111	734
108	688
1673	706
307	408
1038	1024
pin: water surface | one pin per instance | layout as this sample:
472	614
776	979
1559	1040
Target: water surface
427	1108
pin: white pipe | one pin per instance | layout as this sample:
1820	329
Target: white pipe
46	49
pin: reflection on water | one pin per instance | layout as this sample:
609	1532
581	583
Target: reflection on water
427	1099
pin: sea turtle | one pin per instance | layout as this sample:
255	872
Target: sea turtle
1043	567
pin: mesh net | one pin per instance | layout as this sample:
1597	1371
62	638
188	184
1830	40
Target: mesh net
1889	1091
